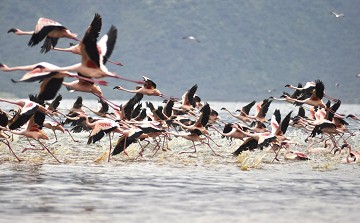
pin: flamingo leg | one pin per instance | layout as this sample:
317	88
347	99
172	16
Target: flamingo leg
142	149
163	145
276	153
29	143
193	146
126	79
6	142
56	139
71	136
115	62
208	144
109	148
125	147
48	151
209	138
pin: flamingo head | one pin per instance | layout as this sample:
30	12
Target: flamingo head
13	30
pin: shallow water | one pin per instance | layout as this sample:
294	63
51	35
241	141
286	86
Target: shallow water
168	187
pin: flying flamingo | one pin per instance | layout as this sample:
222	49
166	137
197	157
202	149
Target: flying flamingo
55	126
148	88
100	128
3	137
106	45
199	125
254	140
128	137
309	88
354	117
40	71
33	131
244	113
262	108
28	108
92	63
231	132
193	136
187	100
49	30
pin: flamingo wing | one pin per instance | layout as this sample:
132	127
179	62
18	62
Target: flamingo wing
24	116
49	88
248	144
107	43
3	119
100	132
246	108
42	32
89	50
124	141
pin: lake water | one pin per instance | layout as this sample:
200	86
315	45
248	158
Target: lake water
168	187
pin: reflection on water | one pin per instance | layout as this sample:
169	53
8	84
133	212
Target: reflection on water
169	187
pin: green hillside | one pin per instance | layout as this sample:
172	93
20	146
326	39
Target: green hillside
247	47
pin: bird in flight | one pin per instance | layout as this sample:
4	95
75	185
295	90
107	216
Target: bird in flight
192	38
337	15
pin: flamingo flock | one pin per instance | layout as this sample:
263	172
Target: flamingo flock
141	123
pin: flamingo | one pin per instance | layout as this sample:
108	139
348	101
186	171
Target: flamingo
103	109
294	155
106	45
254	140
319	150
193	136
55	126
278	129
309	88
354	117
47	29
244	113
278	126
262	108
126	111
199	125
40	71
231	132
128	137
316	96
28	109
149	88
352	156
3	137
53	106
100	128
187	100
33	131
92	63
